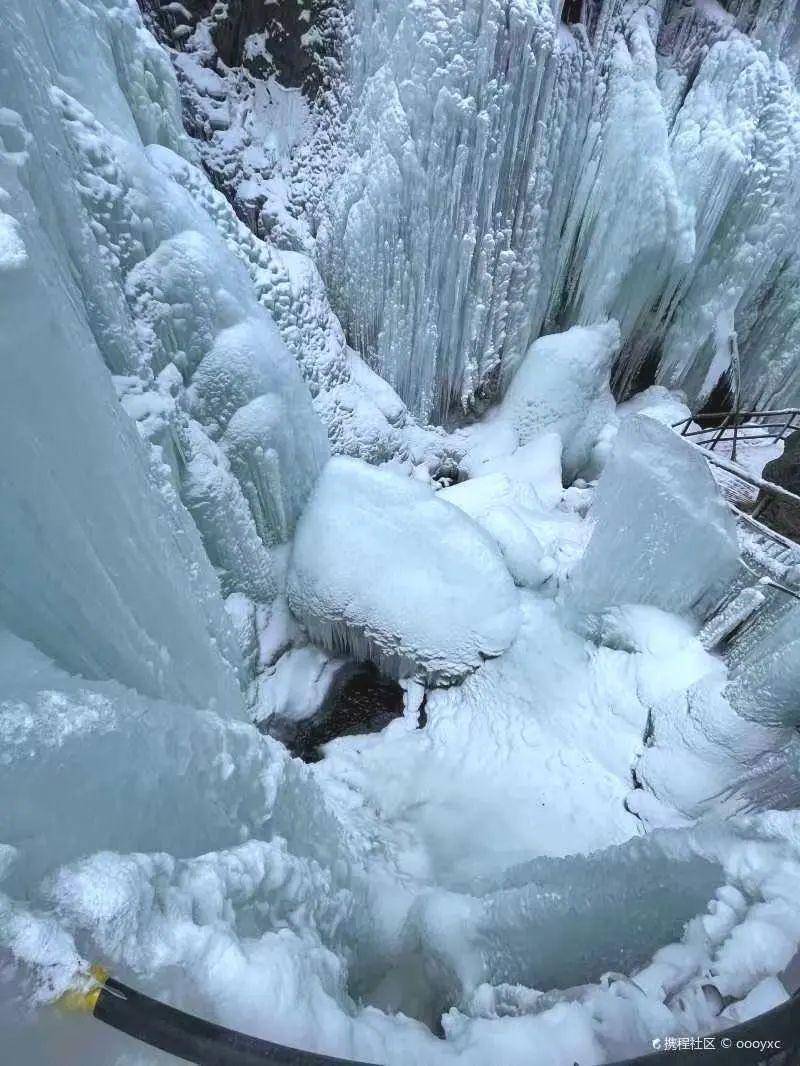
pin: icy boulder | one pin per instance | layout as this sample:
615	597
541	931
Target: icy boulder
662	534
384	570
562	385
508	511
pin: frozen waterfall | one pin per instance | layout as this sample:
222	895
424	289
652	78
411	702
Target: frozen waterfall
507	174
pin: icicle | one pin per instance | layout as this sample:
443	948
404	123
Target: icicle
507	177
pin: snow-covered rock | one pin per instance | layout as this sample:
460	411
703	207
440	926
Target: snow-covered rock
492	449
662	533
562	385
508	511
656	402
556	417
384	570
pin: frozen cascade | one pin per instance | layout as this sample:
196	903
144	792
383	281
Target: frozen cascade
160	290
154	621
644	165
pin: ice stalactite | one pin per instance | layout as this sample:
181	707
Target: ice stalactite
425	224
641	163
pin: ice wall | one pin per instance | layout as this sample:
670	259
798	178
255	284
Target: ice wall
114	262
765	666
508	175
69	744
102	568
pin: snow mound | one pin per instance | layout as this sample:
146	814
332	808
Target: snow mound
508	511
662	534
492	449
563	385
384	570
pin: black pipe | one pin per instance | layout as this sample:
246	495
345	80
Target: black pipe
192	1038
208	1044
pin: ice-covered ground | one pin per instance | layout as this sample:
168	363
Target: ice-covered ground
582	834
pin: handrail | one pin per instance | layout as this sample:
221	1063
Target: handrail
728	465
743	414
762	1041
734	424
194	1039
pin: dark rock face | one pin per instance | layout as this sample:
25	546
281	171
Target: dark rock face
361	701
572	11
299	38
781	515
233	59
296	41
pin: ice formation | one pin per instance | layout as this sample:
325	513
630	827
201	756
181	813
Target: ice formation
164	298
384	570
514	217
764	668
562	386
658	512
508	511
83	504
641	164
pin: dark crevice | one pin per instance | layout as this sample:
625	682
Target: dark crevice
572	12
360	701
718	405
422	717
